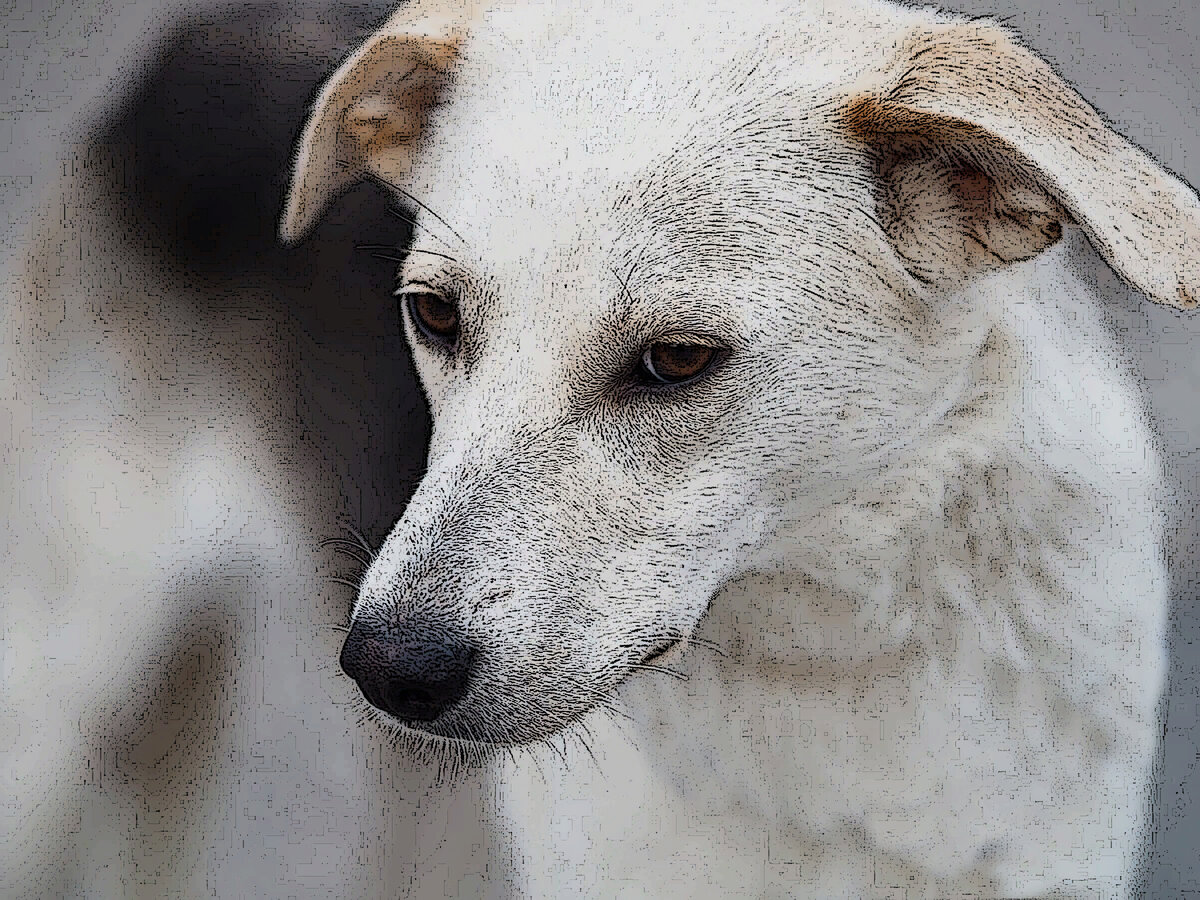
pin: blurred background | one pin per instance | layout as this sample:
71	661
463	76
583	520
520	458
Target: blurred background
144	148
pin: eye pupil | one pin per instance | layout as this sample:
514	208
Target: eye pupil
436	316
676	363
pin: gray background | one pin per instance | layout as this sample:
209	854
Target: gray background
214	120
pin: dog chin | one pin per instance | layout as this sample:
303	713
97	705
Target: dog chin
424	741
461	734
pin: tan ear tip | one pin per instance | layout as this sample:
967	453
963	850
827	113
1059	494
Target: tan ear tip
861	116
292	224
1185	297
284	234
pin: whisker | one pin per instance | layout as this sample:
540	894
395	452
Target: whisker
353	554
620	726
347	582
401	191
706	644
342	541
405	252
537	765
600	698
583	742
399	214
647	667
430	253
689	640
624	287
610	706
362	541
561	754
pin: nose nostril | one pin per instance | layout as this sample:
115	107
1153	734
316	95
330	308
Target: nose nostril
420	702
406	694
414	672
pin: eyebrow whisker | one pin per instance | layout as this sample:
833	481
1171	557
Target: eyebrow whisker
401	191
399	259
624	287
431	253
399	214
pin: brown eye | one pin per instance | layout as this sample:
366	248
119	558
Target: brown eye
676	363
436	316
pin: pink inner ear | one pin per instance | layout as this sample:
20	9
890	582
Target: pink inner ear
372	110
972	188
955	199
378	122
972	85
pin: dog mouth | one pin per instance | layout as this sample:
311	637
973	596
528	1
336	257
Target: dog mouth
659	650
462	737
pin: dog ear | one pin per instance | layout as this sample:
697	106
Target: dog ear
369	115
983	150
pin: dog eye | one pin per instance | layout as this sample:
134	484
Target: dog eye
676	363
434	315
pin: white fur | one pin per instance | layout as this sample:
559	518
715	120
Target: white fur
942	597
922	525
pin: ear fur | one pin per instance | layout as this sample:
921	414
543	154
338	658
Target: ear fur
370	114
982	149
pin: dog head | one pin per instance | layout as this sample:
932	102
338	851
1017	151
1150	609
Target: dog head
675	280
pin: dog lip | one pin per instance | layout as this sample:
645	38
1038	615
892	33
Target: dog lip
659	649
488	743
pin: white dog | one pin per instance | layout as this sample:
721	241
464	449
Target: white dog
762	350
760	320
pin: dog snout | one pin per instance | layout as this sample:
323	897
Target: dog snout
413	670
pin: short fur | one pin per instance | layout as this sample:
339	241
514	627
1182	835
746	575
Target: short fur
918	506
905	538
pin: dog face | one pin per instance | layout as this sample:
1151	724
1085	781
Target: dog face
671	288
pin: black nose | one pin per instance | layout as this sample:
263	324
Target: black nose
414	671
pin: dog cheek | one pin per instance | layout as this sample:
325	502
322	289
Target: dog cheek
653	590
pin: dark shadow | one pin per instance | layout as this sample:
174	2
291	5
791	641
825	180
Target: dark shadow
152	771
194	162
209	132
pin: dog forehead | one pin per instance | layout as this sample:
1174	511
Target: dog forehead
572	145
557	114
553	103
